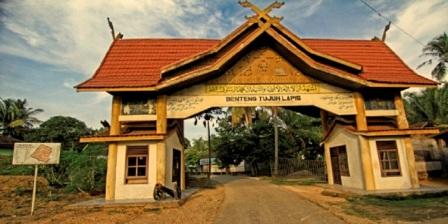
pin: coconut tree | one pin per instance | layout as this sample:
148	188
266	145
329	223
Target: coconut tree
430	105
242	115
16	116
437	51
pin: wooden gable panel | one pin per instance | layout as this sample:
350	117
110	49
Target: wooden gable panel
263	66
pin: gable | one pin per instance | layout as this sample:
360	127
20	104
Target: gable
262	66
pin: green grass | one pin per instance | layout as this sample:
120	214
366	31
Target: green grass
6	167
6	152
410	208
304	181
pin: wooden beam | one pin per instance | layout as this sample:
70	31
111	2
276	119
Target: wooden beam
402	121
426	131
411	163
324	120
161	114
328	164
116	110
182	170
366	161
361	121
161	163
112	152
111	171
158	88
121	138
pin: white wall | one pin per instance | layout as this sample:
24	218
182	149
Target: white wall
390	183
135	191
172	142
339	137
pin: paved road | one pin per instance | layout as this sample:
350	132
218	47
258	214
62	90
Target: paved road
253	201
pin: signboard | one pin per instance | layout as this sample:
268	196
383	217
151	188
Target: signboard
36	153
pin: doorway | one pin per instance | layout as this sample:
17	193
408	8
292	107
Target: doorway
335	166
176	166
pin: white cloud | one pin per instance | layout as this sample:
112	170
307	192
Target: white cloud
424	20
299	9
75	33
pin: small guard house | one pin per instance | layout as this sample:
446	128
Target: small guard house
353	85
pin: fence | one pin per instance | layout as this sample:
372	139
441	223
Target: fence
301	168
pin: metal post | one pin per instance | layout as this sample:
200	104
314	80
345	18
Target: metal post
275	142
209	151
33	199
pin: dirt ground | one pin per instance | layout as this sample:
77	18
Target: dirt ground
15	202
373	210
250	200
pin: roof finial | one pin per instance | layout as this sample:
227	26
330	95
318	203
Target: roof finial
112	31
111	26
386	28
263	13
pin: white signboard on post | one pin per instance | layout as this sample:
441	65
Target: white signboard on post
36	153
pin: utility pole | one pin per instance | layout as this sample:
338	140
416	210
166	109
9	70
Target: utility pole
274	113
207	118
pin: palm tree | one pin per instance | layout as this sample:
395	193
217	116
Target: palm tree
437	50
16	116
430	105
239	113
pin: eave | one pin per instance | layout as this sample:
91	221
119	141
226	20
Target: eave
121	138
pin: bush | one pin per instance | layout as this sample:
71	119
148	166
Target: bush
79	171
6	167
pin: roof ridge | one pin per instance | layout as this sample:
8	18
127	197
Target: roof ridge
168	38
329	39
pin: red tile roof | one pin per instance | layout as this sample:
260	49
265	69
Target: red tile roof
137	62
380	63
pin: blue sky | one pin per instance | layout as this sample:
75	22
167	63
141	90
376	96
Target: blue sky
47	47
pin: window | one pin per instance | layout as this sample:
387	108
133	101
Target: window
343	161
379	102
137	106
388	157
137	164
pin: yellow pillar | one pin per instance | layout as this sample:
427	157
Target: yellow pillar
161	114
366	158
411	163
328	163
182	170
112	151
366	163
161	128
324	120
361	121
402	121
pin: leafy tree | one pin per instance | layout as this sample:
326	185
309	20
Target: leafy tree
255	144
197	151
437	50
430	105
304	132
66	130
16	117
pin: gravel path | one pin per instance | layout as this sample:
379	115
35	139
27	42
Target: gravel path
252	201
